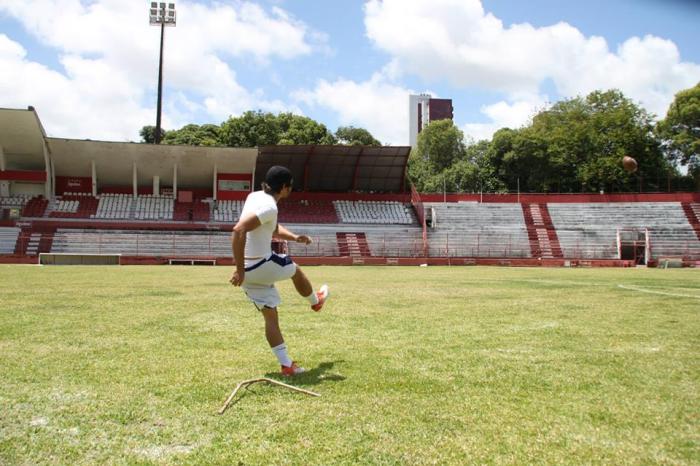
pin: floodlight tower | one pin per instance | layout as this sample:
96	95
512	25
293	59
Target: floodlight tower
161	14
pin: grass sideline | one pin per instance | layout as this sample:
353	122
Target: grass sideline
436	365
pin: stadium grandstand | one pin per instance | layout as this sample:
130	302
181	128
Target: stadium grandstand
161	204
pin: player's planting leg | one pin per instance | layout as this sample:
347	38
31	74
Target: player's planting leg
276	341
272	327
304	288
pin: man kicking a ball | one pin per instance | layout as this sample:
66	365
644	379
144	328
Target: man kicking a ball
258	268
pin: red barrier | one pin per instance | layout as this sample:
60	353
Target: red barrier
23	175
14	259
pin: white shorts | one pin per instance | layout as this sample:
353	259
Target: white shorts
260	278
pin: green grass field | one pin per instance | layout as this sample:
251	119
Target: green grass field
437	365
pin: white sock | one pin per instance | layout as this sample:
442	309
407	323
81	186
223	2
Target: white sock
313	299
282	355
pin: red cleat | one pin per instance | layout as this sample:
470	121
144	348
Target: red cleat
292	370
322	294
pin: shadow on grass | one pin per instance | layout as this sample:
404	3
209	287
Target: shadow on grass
313	376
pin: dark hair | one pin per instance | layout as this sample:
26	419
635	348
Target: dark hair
277	177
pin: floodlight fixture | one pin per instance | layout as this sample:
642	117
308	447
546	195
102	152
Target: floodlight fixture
161	14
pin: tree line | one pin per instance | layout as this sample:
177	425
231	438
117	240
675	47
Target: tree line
576	145
257	128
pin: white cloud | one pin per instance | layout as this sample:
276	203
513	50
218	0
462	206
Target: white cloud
459	42
109	58
377	105
71	103
505	115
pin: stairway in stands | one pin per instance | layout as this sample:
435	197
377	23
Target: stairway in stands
32	242
353	244
23	241
541	232
692	212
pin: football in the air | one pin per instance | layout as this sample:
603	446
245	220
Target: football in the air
629	164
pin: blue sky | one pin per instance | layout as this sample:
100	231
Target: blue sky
90	67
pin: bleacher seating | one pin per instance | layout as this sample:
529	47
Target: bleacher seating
387	240
65	206
73	205
374	228
114	206
589	230
478	230
14	202
77	194
306	211
324	241
290	211
227	211
154	207
374	212
395	242
142	242
8	239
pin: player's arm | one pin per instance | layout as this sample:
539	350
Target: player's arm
282	233
246	223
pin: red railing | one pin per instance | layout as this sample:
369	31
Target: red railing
418	206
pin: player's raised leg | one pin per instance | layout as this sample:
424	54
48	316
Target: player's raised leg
304	288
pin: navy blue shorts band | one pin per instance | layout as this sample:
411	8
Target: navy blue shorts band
281	261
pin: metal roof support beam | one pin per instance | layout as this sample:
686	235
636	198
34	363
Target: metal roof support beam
174	181
405	173
134	180
94	178
156	184
4	185
53	177
357	169
216	175
48	185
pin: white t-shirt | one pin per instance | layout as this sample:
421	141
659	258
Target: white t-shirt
258	243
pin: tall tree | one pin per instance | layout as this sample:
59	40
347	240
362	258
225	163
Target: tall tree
680	130
296	129
194	135
619	127
253	128
263	128
440	144
578	144
352	136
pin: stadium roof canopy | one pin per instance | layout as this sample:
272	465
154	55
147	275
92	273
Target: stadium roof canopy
338	168
22	139
319	168
114	161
